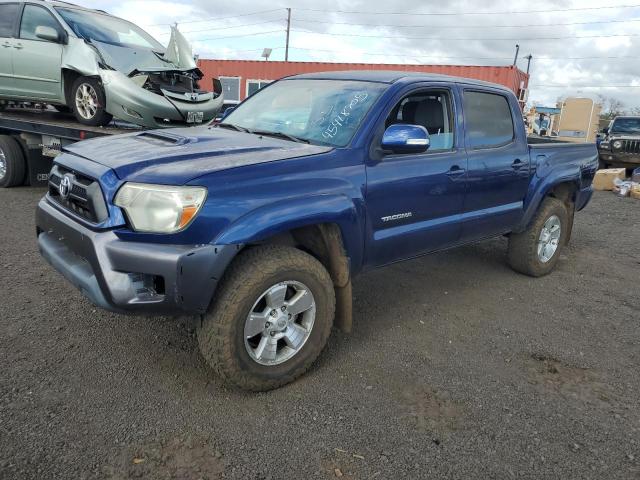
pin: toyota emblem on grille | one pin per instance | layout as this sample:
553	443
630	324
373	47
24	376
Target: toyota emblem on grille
194	97
65	187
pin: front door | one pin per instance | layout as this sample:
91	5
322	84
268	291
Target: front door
414	201
499	170
8	21
37	62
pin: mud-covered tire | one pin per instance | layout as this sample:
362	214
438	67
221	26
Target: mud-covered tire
12	162
524	256
85	112
221	336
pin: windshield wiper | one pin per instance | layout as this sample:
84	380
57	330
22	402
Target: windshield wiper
286	136
231	126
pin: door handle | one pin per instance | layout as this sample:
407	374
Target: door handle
6	45
518	164
455	171
18	46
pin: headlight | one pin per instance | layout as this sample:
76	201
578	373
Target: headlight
160	208
617	144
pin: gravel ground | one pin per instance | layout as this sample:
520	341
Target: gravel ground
457	368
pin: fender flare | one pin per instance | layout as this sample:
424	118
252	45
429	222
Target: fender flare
285	215
540	192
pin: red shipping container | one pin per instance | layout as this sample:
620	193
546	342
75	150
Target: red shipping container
257	70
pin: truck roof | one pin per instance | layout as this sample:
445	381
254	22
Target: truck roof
391	76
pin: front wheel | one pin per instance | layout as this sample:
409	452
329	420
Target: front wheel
88	102
535	251
270	319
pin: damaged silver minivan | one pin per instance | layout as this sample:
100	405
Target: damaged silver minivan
99	66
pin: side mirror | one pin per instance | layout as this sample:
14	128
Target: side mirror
47	33
605	130
217	86
401	138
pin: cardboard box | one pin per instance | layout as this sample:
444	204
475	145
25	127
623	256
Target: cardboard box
635	191
604	178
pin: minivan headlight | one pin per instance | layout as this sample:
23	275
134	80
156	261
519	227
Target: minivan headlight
160	208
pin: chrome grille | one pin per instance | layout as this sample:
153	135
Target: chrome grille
84	196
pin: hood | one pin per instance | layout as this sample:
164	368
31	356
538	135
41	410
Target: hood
128	59
176	156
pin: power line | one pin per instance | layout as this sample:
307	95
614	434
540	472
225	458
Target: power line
467	26
387	54
210	19
223	28
237	36
448	39
468	13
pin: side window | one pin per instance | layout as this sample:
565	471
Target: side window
8	17
33	17
430	109
488	120
231	88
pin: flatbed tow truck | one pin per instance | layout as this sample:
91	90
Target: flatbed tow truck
32	136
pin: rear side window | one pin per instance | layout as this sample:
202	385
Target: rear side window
8	17
34	17
487	119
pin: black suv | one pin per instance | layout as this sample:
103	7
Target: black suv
621	145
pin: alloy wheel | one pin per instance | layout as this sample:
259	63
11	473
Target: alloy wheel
279	323
86	101
549	238
3	164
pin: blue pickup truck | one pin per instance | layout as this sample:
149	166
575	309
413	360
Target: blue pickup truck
259	224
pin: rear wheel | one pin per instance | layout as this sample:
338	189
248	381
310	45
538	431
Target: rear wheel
88	101
12	162
270	320
535	251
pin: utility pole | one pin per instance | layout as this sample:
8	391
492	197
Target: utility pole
528	57
515	60
286	48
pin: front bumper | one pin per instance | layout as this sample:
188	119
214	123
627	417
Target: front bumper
622	159
155	111
130	276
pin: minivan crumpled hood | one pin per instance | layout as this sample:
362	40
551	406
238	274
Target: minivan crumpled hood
128	59
176	156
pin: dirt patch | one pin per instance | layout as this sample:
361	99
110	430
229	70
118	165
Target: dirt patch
183	459
577	383
431	409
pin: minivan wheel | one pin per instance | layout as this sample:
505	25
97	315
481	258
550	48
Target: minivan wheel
535	251
88	102
270	318
12	162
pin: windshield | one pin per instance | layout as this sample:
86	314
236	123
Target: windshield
326	112
626	125
99	27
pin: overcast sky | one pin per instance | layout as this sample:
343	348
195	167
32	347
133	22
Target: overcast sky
381	32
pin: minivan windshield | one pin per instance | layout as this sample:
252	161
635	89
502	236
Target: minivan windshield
325	112
626	125
99	27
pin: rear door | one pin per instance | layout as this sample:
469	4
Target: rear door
413	200
498	169
8	22
37	62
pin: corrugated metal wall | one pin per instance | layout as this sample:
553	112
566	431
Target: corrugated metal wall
509	76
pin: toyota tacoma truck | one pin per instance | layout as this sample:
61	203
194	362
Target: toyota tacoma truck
258	225
621	145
